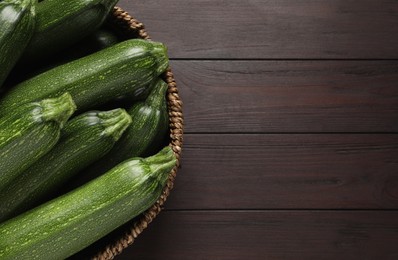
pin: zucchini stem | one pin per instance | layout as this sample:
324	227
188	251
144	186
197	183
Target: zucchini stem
57	109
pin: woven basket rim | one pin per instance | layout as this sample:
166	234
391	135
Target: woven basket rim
135	29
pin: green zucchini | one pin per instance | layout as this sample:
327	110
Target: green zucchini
101	39
17	21
84	140
125	68
151	124
29	132
146	135
69	223
62	23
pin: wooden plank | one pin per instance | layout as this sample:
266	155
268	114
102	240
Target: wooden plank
262	235
288	171
272	29
288	96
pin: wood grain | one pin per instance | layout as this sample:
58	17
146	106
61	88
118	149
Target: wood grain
273	29
257	235
287	171
291	115
288	96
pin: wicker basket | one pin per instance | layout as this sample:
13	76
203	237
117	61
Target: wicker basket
125	236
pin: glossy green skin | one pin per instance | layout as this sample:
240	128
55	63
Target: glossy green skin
30	132
97	41
151	125
17	21
145	135
122	69
62	23
84	140
67	224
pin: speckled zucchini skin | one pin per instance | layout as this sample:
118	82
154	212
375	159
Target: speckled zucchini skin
126	68
99	40
61	23
84	140
151	123
17	21
30	132
146	135
67	224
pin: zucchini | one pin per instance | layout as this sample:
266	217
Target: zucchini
69	223
146	135
29	132
85	139
62	23
151	124
101	39
17	21
122	69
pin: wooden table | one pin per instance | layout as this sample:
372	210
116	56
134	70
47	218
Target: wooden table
291	120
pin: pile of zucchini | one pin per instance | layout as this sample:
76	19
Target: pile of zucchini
83	127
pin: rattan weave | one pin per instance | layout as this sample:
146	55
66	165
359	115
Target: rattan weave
133	29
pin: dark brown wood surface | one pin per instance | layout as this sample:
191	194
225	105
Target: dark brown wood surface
291	120
237	235
280	171
273	29
288	96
